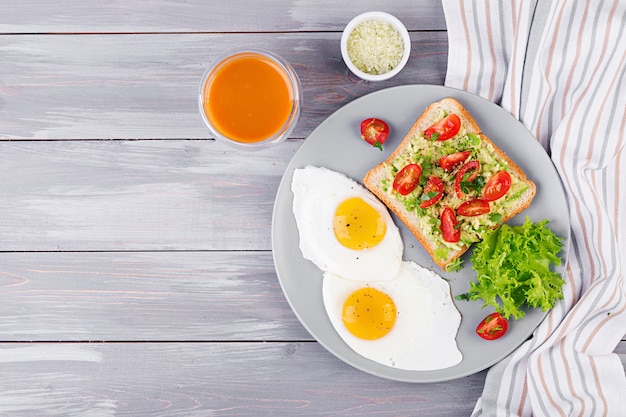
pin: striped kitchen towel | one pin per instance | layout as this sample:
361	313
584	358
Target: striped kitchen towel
559	66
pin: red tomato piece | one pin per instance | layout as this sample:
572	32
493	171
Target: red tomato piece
449	230
492	327
374	131
444	129
449	162
407	179
468	173
497	186
474	207
434	190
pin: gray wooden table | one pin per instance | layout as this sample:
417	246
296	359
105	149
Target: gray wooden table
136	273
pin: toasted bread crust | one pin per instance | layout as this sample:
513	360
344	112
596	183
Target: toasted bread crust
375	178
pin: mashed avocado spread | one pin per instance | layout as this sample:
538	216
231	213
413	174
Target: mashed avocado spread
428	153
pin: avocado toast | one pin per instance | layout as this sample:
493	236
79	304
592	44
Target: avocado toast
449	183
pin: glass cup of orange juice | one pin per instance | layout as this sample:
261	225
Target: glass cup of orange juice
250	98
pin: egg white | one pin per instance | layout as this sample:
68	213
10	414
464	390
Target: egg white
317	193
424	335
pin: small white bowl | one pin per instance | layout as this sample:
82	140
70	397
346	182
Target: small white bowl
384	17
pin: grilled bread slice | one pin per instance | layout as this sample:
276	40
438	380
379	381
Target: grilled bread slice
468	169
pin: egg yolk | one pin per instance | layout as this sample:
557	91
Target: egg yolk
358	225
369	314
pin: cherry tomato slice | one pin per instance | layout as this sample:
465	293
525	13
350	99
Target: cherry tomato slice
449	162
468	173
407	179
497	186
474	207
492	327
449	231
374	131
444	129
432	192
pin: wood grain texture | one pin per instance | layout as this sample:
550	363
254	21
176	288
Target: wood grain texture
136	273
138	195
210	379
144	296
67	16
129	86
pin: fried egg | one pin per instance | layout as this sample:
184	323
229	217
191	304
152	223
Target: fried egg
409	322
343	227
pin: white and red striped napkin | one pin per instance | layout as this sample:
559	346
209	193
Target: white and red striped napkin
559	66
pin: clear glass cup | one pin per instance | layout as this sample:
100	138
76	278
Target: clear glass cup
250	98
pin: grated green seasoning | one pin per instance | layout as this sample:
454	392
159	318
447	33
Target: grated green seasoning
375	47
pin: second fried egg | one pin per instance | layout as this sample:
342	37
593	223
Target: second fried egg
409	322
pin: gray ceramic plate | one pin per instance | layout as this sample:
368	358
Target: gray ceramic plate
336	144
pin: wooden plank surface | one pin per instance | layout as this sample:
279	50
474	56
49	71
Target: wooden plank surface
211	379
216	379
136	273
137	195
144	296
168	16
128	86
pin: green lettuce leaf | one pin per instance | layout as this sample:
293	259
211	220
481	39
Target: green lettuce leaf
513	267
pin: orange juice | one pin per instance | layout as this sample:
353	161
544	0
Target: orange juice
249	97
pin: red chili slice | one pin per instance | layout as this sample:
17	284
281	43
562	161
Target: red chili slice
434	190
449	230
474	207
444	129
497	186
407	179
449	162
468	173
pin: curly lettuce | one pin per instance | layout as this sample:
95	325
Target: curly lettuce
514	269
